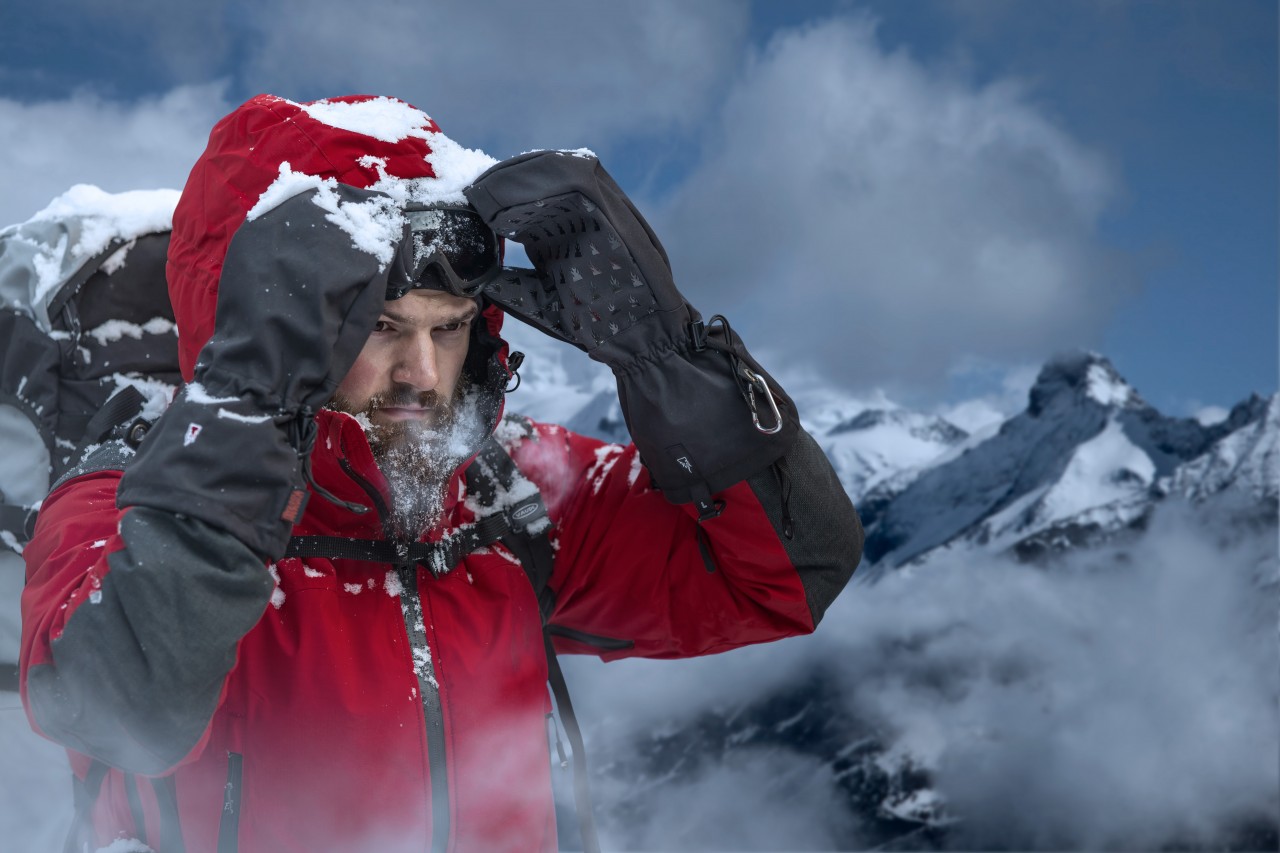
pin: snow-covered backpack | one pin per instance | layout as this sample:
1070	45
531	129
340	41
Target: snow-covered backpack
87	337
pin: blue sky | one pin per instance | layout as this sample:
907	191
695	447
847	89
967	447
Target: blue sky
928	198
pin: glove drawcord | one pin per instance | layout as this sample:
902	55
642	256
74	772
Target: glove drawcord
748	381
302	435
782	471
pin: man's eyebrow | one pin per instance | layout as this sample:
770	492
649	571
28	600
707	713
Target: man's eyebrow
468	313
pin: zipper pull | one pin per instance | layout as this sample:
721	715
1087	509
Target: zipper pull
555	733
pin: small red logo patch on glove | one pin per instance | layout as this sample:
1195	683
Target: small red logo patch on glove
293	509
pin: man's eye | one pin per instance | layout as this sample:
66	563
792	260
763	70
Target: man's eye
382	326
456	326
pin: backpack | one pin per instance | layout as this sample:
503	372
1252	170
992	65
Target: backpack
88	350
85	314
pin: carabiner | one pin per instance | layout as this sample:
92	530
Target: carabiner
756	381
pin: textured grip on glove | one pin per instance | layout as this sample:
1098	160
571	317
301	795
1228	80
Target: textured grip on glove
599	269
591	288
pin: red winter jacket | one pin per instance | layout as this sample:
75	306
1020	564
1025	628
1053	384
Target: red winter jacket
371	707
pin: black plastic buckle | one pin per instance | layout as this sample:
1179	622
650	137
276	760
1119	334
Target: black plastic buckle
514	361
698	334
133	432
708	510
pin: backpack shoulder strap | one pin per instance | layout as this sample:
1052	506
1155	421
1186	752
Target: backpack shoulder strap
496	485
509	509
113	437
495	476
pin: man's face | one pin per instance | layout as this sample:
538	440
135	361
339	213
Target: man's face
408	382
409	371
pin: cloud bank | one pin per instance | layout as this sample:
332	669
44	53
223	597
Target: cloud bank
513	75
880	220
146	144
1123	699
889	219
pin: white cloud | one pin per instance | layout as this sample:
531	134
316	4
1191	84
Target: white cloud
888	220
1210	415
805	808
515	74
1001	393
1124	698
148	144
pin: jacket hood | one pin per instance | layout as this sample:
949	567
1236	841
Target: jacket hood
364	141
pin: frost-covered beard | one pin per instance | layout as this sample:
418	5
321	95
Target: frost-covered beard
418	457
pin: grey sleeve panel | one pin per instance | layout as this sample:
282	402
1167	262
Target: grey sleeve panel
826	542
137	674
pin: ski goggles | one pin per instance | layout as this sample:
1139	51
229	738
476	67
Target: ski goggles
449	248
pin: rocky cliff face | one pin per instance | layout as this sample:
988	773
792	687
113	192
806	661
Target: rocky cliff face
1084	462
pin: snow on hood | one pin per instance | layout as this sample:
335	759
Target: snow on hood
49	248
271	148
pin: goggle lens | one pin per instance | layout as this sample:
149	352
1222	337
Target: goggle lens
461	239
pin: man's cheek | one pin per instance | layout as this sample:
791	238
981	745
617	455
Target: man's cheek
362	379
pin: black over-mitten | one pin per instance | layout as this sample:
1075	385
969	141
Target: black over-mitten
297	300
702	412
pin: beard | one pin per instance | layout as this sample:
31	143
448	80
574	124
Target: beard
418	456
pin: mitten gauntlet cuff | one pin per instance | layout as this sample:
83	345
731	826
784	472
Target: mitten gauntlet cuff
226	463
701	410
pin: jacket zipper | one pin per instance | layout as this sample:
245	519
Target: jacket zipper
229	823
415	626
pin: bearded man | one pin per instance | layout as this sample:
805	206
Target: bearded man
299	615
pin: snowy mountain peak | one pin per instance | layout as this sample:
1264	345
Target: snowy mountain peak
882	443
923	427
1246	460
1086	460
1071	378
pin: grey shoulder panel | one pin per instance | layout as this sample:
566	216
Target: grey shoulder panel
113	455
825	544
138	670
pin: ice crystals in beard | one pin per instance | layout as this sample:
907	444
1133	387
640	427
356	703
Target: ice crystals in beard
422	459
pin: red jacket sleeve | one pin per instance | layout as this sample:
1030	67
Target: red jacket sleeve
130	623
638	576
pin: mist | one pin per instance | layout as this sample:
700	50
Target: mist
1123	698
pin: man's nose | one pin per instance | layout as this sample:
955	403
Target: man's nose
415	363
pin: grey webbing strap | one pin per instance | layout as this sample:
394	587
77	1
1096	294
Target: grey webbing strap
123	407
581	787
538	560
18	520
440	556
84	797
166	791
9	677
135	807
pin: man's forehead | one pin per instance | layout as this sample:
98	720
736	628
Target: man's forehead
430	306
